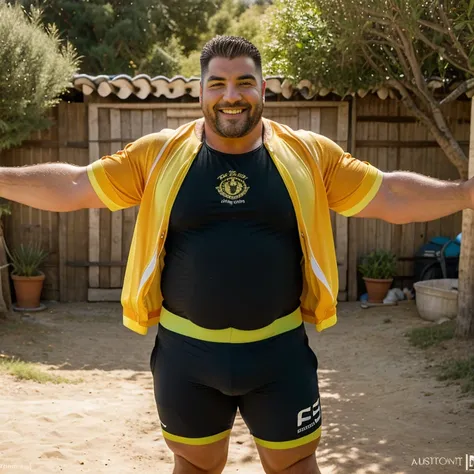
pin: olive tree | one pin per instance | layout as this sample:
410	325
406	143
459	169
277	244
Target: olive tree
35	69
417	48
421	50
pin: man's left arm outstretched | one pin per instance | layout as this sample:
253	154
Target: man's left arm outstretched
405	197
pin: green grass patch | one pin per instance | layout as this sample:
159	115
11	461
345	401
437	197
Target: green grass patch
432	335
28	371
459	370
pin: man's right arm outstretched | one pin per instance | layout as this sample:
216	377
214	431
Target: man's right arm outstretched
56	187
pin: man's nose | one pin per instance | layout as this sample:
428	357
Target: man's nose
232	94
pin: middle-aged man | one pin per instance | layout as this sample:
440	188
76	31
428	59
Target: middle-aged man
232	250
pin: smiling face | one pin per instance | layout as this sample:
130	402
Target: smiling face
232	92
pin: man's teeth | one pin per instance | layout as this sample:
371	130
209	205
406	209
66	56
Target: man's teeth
232	111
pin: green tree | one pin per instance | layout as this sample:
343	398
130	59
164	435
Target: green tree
349	45
35	69
118	37
235	17
418	49
250	25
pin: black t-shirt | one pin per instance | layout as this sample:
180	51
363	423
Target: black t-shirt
233	255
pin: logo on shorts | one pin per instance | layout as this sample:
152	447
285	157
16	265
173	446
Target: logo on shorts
309	417
232	187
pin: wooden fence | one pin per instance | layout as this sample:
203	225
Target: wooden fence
88	249
386	136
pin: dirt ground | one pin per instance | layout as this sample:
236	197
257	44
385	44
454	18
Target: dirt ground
383	410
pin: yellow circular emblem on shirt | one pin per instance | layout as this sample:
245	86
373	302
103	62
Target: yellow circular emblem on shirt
232	185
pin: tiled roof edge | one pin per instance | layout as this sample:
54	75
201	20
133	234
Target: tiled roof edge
143	86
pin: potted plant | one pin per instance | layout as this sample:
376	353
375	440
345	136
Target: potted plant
378	269
27	278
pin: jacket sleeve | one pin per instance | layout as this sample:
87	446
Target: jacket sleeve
119	179
350	183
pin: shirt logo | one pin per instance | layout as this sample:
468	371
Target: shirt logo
232	187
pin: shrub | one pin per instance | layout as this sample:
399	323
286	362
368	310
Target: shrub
379	264
35	69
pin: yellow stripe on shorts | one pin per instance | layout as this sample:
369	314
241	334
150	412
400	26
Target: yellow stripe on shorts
196	441
289	444
186	327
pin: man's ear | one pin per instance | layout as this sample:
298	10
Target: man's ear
200	92
264	88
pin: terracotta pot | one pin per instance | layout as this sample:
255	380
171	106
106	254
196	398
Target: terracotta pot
377	289
28	290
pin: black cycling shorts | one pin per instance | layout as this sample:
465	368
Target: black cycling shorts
273	382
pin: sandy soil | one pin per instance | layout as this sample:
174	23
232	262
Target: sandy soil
382	406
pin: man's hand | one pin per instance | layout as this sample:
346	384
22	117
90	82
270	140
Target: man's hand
406	197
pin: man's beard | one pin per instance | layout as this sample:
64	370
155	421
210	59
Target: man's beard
229	129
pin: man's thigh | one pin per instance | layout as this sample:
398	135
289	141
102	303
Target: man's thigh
195	416
299	460
207	458
284	413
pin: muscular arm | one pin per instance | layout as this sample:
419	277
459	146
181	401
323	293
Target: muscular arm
406	197
57	187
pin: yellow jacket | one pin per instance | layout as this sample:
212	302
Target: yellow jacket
319	176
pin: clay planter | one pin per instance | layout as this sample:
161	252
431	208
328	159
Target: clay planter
28	290
377	289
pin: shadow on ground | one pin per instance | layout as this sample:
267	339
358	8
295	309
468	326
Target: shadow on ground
76	336
382	407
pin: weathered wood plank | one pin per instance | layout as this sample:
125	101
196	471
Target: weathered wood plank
316	120
116	217
160	120
304	119
342	242
147	122
128	215
63	217
197	105
343	122
328	127
105	227
186	113
94	214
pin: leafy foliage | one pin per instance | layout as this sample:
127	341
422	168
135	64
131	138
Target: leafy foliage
35	69
347	45
234	17
379	264
26	259
117	37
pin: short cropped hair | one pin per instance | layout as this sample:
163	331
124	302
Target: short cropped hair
229	47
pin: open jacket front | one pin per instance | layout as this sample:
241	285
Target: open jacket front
318	174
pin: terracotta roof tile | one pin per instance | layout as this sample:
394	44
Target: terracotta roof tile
142	86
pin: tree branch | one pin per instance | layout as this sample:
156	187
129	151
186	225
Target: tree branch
381	18
415	69
444	138
433	26
440	122
459	91
396	46
455	41
441	51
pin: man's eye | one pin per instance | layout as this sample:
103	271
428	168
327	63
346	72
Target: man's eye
246	84
216	84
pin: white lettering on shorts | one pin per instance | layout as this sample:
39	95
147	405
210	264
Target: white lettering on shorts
309	417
